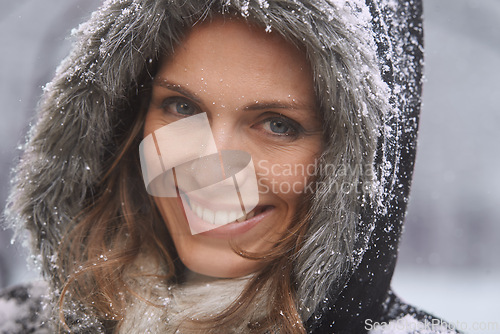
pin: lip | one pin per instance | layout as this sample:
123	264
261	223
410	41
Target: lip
201	227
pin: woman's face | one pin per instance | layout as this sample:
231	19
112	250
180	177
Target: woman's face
257	92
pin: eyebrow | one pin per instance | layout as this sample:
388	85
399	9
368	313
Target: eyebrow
254	106
274	105
176	88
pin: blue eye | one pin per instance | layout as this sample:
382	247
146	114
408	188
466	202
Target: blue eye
184	108
281	126
278	126
179	106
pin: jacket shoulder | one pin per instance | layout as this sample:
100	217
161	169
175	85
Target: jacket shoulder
23	309
406	319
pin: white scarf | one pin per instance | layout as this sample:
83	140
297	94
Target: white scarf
160	308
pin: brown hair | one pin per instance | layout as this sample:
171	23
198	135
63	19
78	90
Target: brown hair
111	231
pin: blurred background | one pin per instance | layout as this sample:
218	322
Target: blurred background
449	261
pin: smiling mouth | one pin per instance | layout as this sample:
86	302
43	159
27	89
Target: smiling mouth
222	217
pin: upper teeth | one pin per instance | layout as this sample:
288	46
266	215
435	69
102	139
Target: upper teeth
219	217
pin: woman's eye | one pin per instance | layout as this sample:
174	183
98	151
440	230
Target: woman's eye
281	126
180	106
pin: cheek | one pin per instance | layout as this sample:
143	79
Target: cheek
173	215
288	173
287	183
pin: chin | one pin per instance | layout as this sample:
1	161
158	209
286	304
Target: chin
216	256
216	259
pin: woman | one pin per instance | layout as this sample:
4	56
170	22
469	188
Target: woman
315	102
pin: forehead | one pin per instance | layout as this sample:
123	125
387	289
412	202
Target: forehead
234	35
234	55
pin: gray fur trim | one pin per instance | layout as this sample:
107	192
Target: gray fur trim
81	107
23	309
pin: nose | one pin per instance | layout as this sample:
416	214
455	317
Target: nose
208	167
229	139
235	157
226	133
226	177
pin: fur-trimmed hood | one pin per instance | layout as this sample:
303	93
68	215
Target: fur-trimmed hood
366	58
